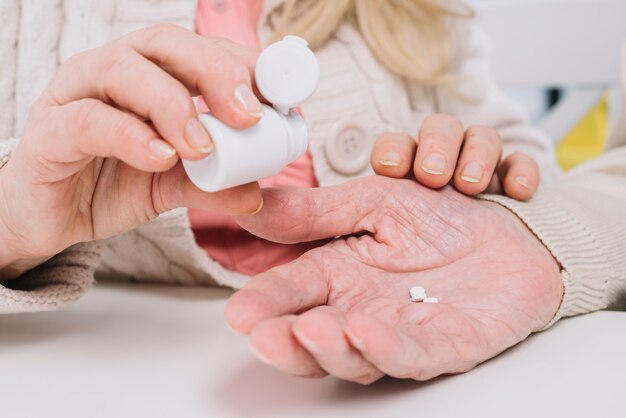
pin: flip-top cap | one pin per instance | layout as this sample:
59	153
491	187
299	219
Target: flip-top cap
287	73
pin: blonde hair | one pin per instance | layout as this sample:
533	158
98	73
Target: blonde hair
410	37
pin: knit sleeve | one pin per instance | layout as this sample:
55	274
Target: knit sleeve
55	283
580	219
476	99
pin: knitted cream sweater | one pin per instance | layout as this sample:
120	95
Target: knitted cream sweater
578	217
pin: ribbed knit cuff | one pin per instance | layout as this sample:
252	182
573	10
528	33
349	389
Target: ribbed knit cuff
577	243
56	283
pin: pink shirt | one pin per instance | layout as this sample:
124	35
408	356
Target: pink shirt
219	235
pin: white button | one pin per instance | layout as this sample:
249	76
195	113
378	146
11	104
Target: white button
348	148
219	5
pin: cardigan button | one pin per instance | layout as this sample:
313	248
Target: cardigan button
348	148
219	5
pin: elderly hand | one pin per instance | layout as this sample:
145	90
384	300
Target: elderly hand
469	159
99	153
344	308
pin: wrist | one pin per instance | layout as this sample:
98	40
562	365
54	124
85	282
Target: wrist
18	267
537	221
13	261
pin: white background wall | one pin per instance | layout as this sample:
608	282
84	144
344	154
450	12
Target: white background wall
556	43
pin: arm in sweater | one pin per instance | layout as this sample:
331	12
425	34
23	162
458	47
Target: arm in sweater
580	219
58	193
57	282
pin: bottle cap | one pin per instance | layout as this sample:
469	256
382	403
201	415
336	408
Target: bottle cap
287	73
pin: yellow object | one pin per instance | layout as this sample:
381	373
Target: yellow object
587	139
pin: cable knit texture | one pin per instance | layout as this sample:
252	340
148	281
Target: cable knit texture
55	283
355	90
580	220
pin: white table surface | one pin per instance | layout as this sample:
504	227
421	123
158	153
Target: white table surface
136	350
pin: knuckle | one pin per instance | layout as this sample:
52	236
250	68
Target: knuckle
159	30
112	59
237	50
73	61
484	149
126	127
80	117
41	104
173	102
483	137
176	101
225	48
386	137
519	156
439	138
215	59
444	119
220	43
66	70
399	136
483	133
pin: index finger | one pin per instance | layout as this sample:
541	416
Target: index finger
153	73
439	143
221	71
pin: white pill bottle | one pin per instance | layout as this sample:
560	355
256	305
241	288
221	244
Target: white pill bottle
286	74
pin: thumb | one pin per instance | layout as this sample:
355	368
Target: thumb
300	215
176	190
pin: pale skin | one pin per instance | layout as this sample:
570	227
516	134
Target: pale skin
443	152
100	151
99	156
344	308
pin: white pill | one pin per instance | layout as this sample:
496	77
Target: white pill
431	300
418	293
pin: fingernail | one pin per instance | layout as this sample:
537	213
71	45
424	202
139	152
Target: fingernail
391	159
248	101
198	137
308	344
523	181
161	149
434	163
258	209
230	327
260	356
472	172
354	340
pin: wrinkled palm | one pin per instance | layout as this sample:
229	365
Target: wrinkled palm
344	308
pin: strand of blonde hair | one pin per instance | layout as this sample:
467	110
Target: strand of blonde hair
410	37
